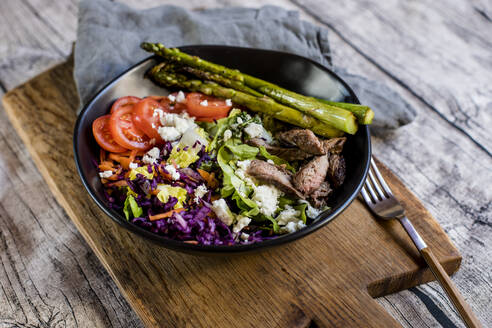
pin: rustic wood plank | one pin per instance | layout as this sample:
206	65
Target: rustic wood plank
438	56
365	257
466	219
50	277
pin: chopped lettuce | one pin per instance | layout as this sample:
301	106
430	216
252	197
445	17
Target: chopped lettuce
141	170
242	151
166	191
283	200
131	205
233	186
263	217
235	122
302	208
277	160
182	158
186	151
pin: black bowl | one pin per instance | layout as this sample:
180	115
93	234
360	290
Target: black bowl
287	70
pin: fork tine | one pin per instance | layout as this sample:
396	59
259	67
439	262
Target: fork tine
381	179
376	185
365	195
371	191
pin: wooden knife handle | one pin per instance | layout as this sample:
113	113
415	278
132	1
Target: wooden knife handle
454	294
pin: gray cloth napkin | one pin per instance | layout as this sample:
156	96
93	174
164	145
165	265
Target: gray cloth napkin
109	35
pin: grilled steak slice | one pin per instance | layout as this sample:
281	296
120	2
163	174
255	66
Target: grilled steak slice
320	195
311	175
289	154
304	139
334	145
336	170
273	174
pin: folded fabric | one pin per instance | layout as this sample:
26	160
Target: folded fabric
109	36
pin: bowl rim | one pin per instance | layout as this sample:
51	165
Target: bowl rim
238	248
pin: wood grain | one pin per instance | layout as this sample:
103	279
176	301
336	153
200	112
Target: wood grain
434	159
452	291
364	258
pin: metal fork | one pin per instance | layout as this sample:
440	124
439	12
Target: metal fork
379	198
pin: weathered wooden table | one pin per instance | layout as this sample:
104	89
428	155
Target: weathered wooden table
437	55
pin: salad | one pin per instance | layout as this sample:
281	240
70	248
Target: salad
224	164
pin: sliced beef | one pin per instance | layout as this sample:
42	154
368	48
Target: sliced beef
334	145
304	139
311	175
289	154
336	170
320	195
273	174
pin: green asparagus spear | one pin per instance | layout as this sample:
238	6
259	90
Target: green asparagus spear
167	77
204	75
364	114
331	115
177	56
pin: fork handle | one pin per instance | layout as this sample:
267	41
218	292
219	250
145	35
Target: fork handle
447	284
441	275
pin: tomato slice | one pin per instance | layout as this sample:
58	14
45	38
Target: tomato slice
124	102
171	106
144	118
214	108
103	136
124	131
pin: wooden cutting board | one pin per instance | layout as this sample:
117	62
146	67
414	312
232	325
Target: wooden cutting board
327	279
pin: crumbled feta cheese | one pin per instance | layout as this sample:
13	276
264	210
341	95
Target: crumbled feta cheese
180	97
242	221
171	98
242	167
254	130
105	174
227	135
168	133
243	164
311	211
292	227
172	171
267	198
151	156
153	126
289	221
154	152
158	112
244	236
200	191
222	211
239	120
287	215
228	102
204	102
133	165
270	161
174	125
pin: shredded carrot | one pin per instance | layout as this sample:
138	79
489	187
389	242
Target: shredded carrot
194	242
164	174
120	183
102	155
129	152
133	153
165	215
209	177
124	161
106	167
